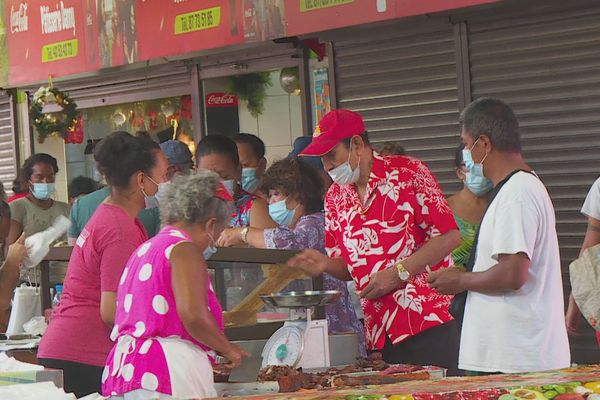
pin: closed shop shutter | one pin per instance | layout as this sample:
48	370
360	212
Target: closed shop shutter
7	143
124	86
402	78
548	69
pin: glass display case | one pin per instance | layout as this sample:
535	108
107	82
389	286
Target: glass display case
239	277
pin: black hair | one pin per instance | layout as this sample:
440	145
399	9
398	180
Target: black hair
39	158
17	186
120	155
495	119
295	177
255	143
458	156
82	185
364	136
218	144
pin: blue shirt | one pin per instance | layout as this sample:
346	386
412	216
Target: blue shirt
85	206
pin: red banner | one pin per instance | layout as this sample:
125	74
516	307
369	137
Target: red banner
45	36
173	27
64	37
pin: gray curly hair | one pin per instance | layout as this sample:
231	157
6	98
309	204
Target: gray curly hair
191	199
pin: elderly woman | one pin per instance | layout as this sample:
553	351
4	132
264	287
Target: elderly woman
168	323
295	194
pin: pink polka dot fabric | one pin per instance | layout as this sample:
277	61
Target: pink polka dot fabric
146	321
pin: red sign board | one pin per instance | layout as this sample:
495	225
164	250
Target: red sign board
172	27
221	100
45	36
64	37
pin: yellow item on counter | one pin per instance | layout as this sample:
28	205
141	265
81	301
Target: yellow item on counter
595	386
400	397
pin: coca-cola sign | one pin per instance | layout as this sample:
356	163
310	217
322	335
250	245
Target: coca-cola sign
221	100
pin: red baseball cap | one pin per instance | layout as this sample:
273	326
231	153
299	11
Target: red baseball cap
334	127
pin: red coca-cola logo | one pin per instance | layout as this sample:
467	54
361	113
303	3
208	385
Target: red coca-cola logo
221	100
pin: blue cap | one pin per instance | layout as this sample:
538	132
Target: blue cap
300	144
177	152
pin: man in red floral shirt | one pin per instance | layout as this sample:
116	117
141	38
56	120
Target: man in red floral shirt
387	225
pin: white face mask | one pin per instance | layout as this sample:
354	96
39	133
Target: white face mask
162	189
343	174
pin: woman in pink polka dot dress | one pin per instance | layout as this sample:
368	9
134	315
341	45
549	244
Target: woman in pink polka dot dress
166	332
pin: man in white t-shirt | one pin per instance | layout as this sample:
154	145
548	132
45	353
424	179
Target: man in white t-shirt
513	319
591	209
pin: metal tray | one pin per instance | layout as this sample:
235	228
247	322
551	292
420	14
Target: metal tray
301	299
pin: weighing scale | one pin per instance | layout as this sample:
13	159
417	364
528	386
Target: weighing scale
301	341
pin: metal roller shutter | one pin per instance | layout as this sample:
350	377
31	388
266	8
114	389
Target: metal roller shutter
548	69
7	143
128	85
402	78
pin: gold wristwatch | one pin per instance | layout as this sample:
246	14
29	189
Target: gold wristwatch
244	234
403	273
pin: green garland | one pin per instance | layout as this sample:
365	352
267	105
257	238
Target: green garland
49	123
251	88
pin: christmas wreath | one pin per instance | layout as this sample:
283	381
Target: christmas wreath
61	122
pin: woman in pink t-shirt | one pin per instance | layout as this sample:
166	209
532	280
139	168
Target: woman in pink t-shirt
168	323
77	340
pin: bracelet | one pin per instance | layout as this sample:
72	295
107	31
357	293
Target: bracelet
244	234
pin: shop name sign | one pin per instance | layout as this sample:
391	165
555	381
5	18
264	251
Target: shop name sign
309	5
221	100
19	21
60	19
198	20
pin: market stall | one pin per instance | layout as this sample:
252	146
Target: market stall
568	384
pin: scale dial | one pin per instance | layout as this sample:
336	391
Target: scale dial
284	347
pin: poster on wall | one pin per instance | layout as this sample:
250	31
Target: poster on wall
112	31
322	98
263	19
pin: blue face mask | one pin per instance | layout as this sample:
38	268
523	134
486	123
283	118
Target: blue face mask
151	202
280	213
210	250
249	180
230	186
478	185
42	191
475	169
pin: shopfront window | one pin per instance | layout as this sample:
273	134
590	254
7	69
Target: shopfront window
158	118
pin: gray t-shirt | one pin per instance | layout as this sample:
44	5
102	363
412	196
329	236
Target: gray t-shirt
34	219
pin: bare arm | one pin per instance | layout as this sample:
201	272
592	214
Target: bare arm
508	275
259	215
9	278
316	263
189	280
431	253
16	229
108	307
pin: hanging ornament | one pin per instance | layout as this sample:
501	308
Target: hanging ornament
290	80
60	122
167	108
119	118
